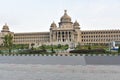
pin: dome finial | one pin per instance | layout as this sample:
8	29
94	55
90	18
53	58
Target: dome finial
65	11
76	21
5	24
53	21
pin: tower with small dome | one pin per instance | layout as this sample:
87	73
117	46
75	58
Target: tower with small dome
5	31
53	25
5	28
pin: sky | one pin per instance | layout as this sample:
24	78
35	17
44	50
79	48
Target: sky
37	15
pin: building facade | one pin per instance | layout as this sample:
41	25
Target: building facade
67	32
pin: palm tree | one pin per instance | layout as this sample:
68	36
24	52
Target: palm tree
8	42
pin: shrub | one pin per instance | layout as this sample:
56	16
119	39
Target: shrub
84	51
119	49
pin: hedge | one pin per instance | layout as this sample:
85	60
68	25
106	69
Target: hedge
84	51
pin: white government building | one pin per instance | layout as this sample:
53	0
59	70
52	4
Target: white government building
67	32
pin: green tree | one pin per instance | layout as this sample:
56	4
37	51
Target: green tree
66	46
52	49
8	42
78	46
43	47
59	46
32	45
119	49
89	47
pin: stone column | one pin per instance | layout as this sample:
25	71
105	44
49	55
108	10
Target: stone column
57	36
61	35
64	35
68	36
54	36
72	36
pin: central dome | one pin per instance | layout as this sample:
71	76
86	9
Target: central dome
65	17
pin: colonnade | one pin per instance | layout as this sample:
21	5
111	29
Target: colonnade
63	36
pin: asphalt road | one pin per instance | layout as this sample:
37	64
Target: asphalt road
63	60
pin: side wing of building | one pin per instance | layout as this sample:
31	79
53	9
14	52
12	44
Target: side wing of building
100	36
29	38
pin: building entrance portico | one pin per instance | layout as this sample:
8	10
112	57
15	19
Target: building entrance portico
62	36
